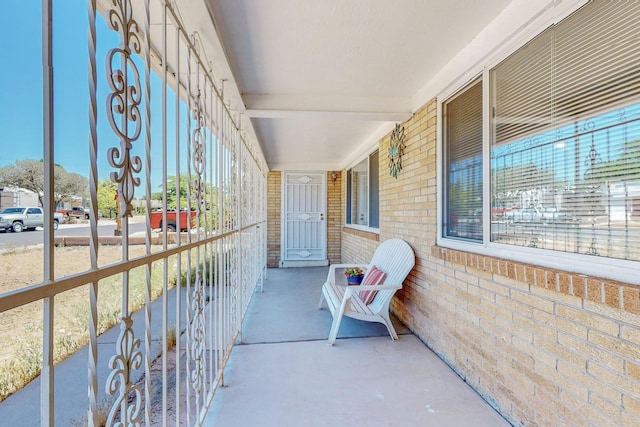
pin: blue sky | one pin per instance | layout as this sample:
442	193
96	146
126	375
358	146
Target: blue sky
21	91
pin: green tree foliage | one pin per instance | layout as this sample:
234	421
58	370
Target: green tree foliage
29	174
171	192
106	197
184	193
210	200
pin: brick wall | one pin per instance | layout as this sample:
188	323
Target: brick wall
358	246
274	190
545	347
334	217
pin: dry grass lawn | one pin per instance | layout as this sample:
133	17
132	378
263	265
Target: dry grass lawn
21	328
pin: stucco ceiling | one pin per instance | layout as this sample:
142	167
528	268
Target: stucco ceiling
320	80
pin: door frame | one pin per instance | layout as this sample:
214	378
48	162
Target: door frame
283	200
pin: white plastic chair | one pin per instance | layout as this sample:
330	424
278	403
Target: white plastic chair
396	258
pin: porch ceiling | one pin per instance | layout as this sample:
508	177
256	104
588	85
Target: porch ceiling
321	80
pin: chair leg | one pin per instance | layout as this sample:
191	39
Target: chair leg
390	328
335	325
321	298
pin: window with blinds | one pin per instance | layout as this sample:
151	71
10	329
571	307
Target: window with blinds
362	193
565	144
462	118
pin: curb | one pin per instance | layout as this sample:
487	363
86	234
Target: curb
117	240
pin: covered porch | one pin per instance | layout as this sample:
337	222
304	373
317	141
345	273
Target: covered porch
289	133
284	373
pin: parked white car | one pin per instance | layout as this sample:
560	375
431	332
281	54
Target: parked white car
19	218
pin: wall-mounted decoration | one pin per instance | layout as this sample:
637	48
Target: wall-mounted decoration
396	150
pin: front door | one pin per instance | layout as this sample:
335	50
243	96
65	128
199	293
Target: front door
304	225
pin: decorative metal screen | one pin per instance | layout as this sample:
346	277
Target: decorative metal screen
189	211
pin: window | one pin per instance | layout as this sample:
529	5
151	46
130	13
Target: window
362	193
462	118
563	156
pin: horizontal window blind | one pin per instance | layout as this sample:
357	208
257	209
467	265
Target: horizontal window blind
463	158
522	93
565	147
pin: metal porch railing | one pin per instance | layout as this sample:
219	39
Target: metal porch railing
169	126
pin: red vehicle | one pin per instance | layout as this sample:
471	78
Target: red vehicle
77	212
171	225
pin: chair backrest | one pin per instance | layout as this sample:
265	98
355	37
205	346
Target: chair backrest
395	257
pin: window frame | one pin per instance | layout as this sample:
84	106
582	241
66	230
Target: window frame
443	156
617	269
348	203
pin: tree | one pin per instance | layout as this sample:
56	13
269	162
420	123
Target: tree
29	174
210	199
106	197
171	192
68	185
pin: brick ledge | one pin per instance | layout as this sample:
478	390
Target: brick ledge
612	293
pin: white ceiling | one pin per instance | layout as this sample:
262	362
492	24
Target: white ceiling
320	80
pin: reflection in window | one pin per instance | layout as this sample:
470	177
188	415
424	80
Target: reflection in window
359	193
564	141
573	189
362	193
565	148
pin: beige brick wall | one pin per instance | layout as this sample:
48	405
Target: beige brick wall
274	189
358	246
334	217
545	347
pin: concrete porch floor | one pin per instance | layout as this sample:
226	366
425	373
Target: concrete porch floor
285	374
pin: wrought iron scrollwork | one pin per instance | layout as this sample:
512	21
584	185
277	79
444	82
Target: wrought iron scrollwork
128	357
123	103
197	344
592	184
622	115
123	112
198	158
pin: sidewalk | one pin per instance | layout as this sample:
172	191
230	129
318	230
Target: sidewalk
71	388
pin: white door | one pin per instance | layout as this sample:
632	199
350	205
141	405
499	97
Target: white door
304	225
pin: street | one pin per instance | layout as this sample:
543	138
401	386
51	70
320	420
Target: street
106	227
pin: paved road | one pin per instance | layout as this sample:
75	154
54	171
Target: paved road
28	238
